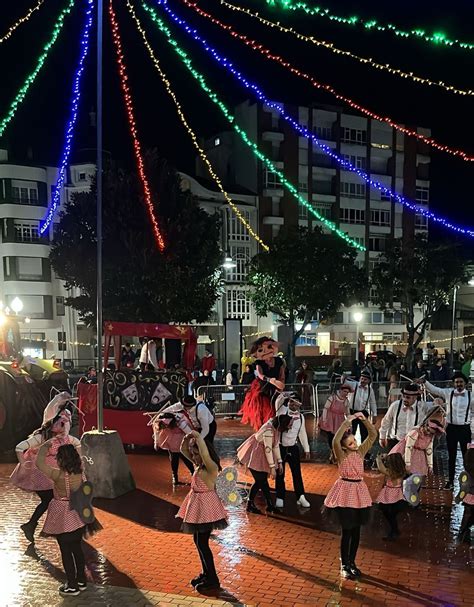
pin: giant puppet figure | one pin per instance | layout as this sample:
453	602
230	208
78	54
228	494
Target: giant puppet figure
257	407
56	425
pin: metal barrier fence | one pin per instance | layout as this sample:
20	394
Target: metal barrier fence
228	399
385	392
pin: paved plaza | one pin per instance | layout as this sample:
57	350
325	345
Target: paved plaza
141	558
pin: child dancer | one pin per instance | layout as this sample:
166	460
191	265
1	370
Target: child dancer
62	521
336	409
349	497
417	446
390	499
26	475
202	510
261	454
468	497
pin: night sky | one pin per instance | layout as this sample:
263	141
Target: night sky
40	121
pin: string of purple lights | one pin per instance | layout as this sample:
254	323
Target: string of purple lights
76	95
258	92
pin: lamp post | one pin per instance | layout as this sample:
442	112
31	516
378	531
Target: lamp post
357	316
28	322
228	264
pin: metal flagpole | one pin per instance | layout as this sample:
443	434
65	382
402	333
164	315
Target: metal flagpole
100	362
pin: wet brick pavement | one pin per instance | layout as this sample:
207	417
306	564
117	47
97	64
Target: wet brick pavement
141	558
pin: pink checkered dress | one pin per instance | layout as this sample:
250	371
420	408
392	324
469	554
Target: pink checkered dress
419	461
351	493
469	499
251	453
202	505
60	518
391	493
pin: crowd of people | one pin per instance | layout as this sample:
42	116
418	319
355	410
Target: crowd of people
50	462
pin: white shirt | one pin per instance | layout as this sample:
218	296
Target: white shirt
297	430
398	426
201	418
148	354
363	397
455	414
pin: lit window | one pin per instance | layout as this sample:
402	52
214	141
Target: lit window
238	304
354	136
217	141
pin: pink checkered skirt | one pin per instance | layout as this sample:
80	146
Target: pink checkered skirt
202	509
60	519
170	439
469	499
390	494
251	453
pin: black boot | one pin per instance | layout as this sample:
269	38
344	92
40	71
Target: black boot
271	509
251	507
29	531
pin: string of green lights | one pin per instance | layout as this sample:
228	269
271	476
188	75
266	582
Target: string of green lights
438	38
39	64
242	133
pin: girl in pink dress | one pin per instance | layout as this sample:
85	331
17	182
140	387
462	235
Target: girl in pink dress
390	499
26	475
417	446
62	521
349	497
202	510
261	454
336	409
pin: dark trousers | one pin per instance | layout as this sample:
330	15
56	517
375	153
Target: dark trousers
70	545
349	544
456	434
391	442
174	459
390	513
212	432
292	456
205	554
45	496
260	482
357	423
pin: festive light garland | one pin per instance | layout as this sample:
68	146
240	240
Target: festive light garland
76	95
302	130
438	38
256	46
213	96
21	20
191	133
133	127
368	61
39	64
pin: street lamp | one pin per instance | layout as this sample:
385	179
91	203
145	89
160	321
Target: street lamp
17	305
229	263
357	316
471	282
28	322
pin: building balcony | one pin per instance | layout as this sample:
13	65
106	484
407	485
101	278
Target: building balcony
273	135
270	192
272	220
25	201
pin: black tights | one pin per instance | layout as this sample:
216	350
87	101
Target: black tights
260	482
391	516
174	459
349	544
45	496
201	539
72	556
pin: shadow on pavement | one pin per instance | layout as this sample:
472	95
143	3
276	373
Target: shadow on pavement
143	508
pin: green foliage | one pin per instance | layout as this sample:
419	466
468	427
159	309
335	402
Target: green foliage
305	272
418	274
140	283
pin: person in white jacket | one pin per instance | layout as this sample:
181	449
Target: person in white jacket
288	403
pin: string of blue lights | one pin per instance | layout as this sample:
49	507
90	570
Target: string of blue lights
346	165
76	95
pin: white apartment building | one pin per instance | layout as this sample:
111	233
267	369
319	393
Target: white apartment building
368	216
237	244
48	327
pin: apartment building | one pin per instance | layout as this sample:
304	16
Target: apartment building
368	216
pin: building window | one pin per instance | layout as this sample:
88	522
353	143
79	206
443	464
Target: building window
238	304
377	317
377	243
302	211
352	215
422	195
29	268
271	180
26	232
241	256
60	307
82	176
421	221
354	136
339	318
323	132
62	345
360	162
303	186
323	209
385	197
24	195
353	190
358	239
373	294
235	228
380	218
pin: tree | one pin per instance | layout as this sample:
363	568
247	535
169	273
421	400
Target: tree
140	283
417	274
304	273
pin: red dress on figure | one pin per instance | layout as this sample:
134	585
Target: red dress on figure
257	407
